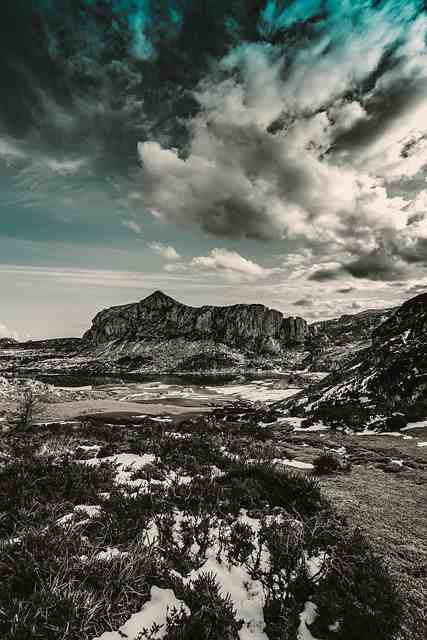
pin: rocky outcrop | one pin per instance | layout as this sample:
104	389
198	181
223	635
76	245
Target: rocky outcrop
388	376
352	328
338	341
7	343
250	328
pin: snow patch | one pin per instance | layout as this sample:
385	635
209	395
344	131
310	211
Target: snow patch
296	464
307	617
126	464
247	595
415	425
155	611
318	426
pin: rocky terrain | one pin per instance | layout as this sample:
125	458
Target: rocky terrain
160	335
253	518
335	342
251	327
387	381
160	330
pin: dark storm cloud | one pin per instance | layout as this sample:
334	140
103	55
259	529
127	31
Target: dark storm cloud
303	302
382	110
377	265
243	130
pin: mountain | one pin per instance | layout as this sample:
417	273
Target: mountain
241	329
335	342
388	376
161	335
6	343
251	327
348	328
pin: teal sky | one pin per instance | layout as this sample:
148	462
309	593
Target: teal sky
221	151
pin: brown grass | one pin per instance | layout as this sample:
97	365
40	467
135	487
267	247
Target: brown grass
390	509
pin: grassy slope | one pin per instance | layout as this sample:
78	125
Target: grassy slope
390	509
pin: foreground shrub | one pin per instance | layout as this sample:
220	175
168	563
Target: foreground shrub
46	594
30	487
212	615
250	486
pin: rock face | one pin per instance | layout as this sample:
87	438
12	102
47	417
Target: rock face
6	343
336	342
159	317
408	322
390	375
352	328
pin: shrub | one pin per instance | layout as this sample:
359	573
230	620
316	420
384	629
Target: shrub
329	462
28	405
394	422
253	486
32	487
46	595
191	454
212	616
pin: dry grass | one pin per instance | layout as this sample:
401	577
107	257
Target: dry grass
390	509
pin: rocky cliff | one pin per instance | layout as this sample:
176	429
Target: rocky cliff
388	376
336	342
351	328
250	328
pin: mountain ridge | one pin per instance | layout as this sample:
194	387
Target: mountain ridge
251	327
388	377
159	334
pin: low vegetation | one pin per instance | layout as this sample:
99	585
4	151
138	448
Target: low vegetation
329	463
84	537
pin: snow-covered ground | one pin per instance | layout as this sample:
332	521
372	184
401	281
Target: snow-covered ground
246	592
415	425
262	391
257	390
153	612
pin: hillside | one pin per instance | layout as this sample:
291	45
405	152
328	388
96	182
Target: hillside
389	376
336	342
160	335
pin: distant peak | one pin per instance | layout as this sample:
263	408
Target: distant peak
159	297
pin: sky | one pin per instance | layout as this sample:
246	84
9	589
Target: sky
223	151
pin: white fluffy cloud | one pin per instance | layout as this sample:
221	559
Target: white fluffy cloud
165	251
274	150
231	265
